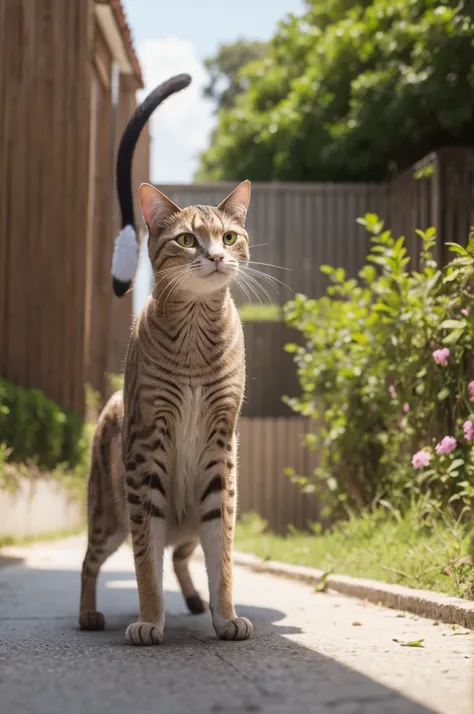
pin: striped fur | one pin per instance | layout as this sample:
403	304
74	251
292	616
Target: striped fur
184	383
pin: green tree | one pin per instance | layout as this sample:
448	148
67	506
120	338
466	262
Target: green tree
225	83
350	91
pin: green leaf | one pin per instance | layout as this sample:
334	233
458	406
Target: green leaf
452	275
411	643
453	324
456	248
322	586
456	464
453	337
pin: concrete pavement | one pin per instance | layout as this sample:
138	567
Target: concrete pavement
310	653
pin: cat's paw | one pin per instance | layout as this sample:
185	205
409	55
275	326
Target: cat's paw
196	605
239	628
144	634
91	620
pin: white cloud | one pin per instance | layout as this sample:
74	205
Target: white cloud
180	127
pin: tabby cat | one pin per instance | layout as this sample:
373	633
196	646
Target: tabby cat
164	453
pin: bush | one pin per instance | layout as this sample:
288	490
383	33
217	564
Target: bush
35	429
350	91
387	372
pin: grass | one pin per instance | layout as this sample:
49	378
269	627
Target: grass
260	313
40	537
416	551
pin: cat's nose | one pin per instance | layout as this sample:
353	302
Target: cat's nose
216	257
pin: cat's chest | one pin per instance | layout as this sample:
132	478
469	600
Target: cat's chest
189	442
189	426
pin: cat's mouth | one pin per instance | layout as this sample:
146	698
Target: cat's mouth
219	269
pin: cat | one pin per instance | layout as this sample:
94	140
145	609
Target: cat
164	453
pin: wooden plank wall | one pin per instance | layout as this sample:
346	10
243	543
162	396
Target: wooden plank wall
271	372
102	242
442	198
266	448
45	49
455	211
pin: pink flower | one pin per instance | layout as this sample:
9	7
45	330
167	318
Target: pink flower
406	407
441	356
468	427
446	445
465	311
470	389
401	423
392	391
421	459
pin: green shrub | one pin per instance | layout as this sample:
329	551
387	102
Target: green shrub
35	429
374	379
350	91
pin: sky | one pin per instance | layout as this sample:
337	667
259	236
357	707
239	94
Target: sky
176	36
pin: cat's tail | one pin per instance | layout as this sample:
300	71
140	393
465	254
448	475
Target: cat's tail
125	257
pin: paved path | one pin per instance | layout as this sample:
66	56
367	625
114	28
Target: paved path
307	654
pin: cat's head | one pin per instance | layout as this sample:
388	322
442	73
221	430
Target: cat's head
195	249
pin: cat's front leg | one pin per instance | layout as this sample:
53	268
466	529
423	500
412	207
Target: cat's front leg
217	501
147	469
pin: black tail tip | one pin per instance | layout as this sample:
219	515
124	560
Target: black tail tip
120	288
184	80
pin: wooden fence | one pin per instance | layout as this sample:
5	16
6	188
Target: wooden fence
44	161
59	129
266	448
304	226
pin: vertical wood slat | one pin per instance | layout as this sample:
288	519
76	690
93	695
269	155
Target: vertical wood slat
44	84
266	448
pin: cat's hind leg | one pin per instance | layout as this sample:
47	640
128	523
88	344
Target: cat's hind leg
100	547
181	556
107	527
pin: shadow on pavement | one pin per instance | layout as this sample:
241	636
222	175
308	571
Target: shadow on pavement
6	560
50	667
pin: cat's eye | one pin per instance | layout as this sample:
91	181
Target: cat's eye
229	238
186	240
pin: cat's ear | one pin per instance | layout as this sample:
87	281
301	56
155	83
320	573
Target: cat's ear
156	207
237	203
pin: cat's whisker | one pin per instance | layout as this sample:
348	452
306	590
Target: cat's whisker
268	265
177	286
253	281
167	272
256	286
248	287
267	277
272	280
168	287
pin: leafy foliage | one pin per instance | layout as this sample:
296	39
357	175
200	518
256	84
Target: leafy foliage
375	384
350	91
226	82
35	429
412	548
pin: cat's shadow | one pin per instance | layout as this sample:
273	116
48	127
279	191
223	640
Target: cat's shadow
114	601
273	671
